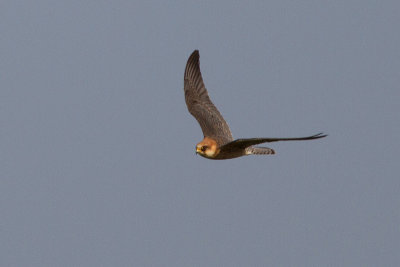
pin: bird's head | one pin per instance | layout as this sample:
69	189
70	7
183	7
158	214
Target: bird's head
207	148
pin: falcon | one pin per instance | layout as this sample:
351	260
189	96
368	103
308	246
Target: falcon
218	142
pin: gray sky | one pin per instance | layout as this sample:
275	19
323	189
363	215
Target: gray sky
97	147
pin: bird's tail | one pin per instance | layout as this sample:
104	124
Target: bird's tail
259	151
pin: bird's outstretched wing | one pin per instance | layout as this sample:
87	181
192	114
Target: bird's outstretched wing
244	143
199	103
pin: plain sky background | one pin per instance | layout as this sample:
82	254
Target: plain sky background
97	151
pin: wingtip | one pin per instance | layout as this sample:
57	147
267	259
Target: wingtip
195	53
194	57
320	135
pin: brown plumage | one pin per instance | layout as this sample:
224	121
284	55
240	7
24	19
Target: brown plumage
218	142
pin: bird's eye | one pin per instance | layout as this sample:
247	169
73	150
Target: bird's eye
203	148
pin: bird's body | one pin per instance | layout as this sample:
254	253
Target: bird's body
218	142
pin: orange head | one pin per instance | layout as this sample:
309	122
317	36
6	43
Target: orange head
207	148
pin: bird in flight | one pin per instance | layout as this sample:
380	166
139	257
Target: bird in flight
218	142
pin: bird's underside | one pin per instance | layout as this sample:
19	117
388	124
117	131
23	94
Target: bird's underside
218	142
